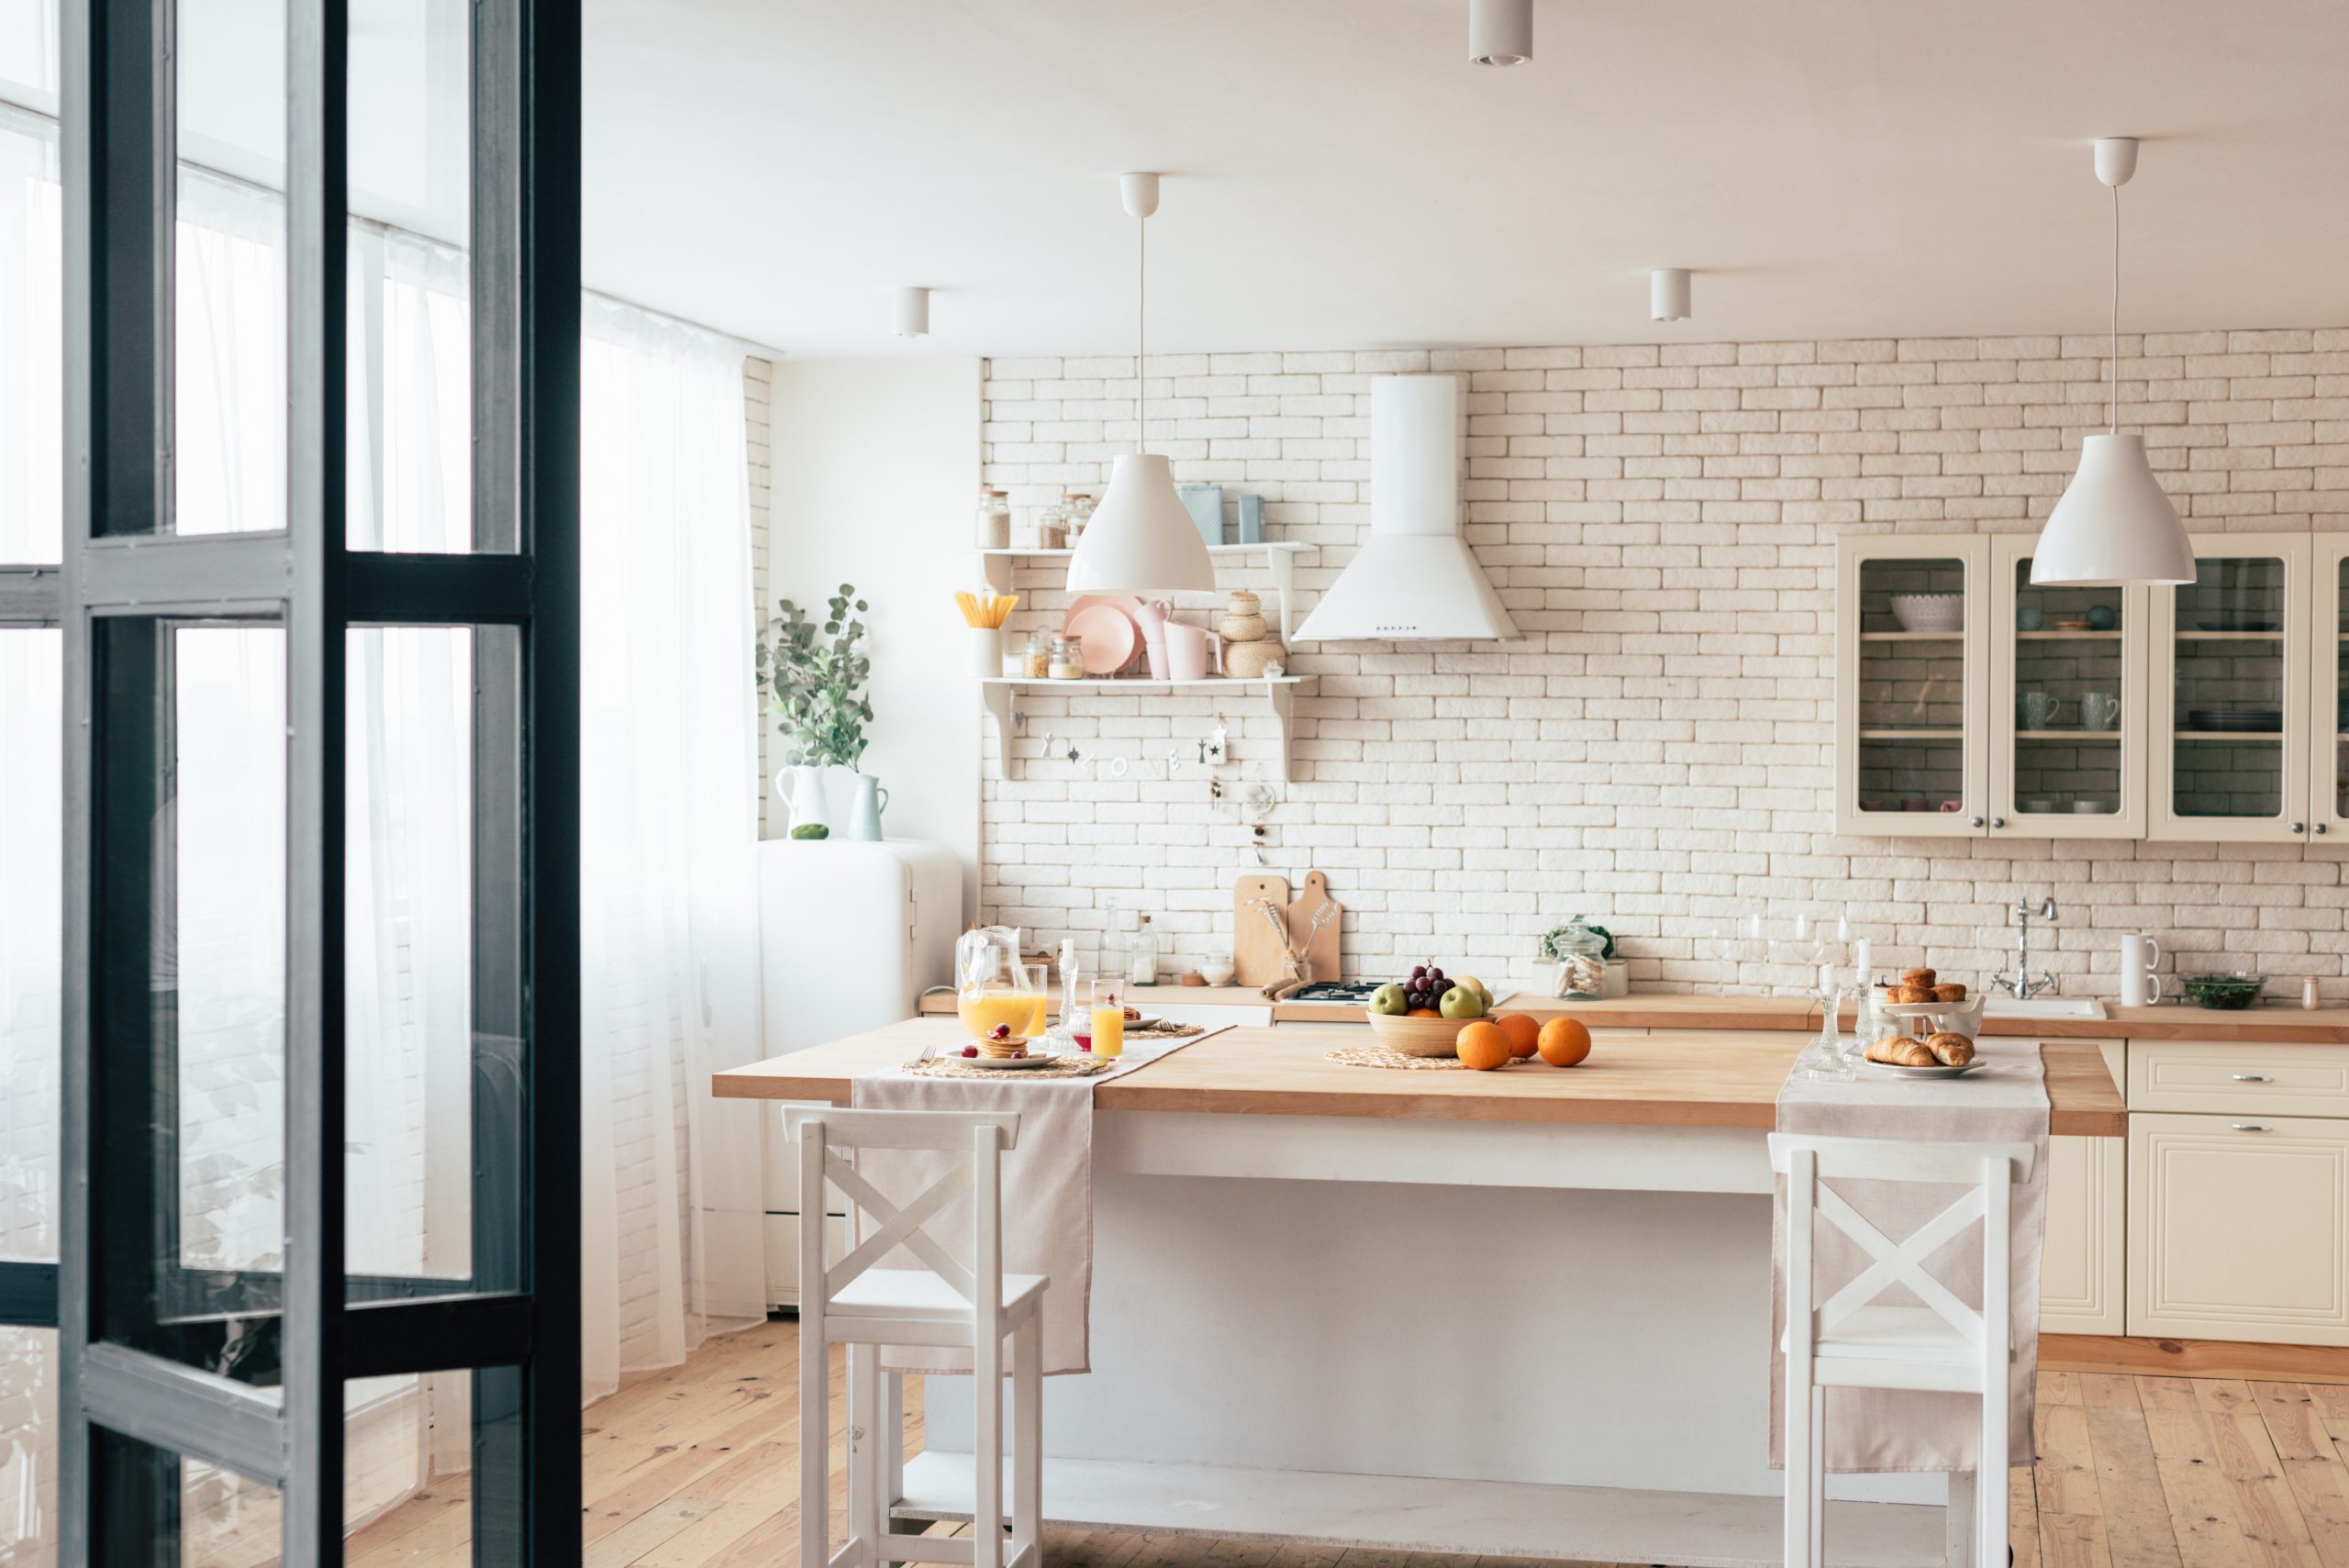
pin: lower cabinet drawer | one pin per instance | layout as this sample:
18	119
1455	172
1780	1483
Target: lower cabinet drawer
783	1254
2239	1227
2221	1078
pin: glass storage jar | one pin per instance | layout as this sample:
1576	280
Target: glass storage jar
1068	658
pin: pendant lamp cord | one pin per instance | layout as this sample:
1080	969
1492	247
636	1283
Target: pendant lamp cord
1142	331
2114	327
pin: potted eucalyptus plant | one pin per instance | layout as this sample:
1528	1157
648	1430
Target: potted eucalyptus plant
815	674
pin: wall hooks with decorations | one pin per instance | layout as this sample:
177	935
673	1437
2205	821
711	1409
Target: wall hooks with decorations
1279	694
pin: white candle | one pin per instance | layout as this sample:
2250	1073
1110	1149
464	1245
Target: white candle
1862	958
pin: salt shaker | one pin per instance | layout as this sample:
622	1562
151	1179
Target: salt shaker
2308	998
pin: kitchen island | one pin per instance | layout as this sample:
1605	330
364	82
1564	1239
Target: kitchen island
1520	1312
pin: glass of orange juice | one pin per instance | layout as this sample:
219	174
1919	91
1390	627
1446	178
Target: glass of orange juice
1108	1019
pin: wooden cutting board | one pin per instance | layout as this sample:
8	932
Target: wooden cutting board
1324	951
1258	957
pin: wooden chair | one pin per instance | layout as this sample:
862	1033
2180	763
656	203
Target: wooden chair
864	1307
1851	1342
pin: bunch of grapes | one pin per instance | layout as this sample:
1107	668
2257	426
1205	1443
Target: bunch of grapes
1426	986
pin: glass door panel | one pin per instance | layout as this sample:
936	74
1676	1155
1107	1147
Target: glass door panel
1909	625
2328	723
2067	757
2235	748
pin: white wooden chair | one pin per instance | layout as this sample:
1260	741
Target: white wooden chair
864	1307
1851	1342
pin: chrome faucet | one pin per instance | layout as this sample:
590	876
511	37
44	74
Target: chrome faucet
2022	988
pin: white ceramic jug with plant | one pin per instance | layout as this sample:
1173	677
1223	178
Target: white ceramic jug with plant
816	671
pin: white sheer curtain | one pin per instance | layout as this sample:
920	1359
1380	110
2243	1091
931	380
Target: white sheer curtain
669	1185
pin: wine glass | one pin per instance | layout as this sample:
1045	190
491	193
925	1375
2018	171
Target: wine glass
1740	938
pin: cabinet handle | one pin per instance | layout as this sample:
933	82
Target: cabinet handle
2300	827
1977	822
1998	821
2250	1126
2252	1078
2321	827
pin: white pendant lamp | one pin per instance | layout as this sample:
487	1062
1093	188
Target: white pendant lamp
1140	538
2113	525
1500	32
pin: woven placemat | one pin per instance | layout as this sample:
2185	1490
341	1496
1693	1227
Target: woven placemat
1380	1056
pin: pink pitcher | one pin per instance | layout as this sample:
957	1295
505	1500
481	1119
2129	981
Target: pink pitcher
1190	649
1151	618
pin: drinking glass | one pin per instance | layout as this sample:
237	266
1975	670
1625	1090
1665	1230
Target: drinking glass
1108	1038
1741	939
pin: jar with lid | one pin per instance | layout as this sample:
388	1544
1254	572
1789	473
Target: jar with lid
1142	955
1080	512
994	519
1051	526
1068	658
1035	657
1581	952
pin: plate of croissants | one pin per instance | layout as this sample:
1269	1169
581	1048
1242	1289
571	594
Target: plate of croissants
1934	1034
1942	1054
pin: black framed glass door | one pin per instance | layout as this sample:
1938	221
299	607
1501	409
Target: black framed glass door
282	759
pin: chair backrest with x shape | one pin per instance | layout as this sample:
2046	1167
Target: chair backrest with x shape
1987	1171
982	1137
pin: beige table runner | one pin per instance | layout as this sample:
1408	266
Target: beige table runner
2003	1101
1047	1190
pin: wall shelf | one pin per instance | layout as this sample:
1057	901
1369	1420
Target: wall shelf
2084	634
1278	693
2112	735
1912	637
1280	554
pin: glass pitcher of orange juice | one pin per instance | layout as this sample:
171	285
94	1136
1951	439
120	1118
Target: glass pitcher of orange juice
992	987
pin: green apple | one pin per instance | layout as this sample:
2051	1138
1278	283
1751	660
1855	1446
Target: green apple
1461	1002
1390	1001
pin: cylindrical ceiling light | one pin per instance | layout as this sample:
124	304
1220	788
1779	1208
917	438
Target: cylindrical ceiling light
1500	32
913	313
2114	524
1668	294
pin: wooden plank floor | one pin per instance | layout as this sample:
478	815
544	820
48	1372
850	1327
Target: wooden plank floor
697	1467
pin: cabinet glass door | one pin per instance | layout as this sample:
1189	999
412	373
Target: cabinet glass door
2067	755
2329	659
2233	763
1909	626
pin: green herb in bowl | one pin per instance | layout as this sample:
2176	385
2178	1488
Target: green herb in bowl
2228	990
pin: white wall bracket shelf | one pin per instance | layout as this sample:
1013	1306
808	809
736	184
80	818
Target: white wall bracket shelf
1280	553
1279	694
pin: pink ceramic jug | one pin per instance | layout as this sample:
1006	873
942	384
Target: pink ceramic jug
1191	651
1151	617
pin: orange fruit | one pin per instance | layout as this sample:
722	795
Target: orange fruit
1482	1046
1564	1042
1523	1033
1423	1013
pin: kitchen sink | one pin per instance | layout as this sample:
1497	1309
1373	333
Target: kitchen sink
1996	1006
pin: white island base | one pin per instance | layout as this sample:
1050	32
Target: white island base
1510	1339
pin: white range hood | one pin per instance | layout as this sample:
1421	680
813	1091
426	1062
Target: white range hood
1415	578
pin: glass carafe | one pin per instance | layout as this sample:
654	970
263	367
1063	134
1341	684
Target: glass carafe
991	987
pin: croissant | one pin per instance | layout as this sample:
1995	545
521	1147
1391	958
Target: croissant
1950	1050
1900	1051
1950	992
1916	977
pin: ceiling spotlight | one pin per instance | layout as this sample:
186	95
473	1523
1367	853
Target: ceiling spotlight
1668	294
1500	32
913	313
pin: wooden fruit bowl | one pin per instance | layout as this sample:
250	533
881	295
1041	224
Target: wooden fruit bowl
1417	1036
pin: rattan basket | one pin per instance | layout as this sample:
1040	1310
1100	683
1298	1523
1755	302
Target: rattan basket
1418	1036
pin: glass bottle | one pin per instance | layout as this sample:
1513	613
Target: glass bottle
1072	991
1080	512
994	519
1142	955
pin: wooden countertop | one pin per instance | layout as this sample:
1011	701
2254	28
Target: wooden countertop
2286	1025
1690	1078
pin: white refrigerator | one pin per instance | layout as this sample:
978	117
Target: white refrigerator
850	935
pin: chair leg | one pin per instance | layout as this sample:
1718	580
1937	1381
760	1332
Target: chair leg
1800	1453
1028	1443
987	1455
1818	1478
815	1459
864	1438
1959	1521
893	1446
1990	1483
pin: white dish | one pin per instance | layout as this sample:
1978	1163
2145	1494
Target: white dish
1930	612
1936	1070
1013	1064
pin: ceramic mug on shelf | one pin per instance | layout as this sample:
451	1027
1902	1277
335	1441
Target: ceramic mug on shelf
2099	710
1191	651
2140	986
2036	710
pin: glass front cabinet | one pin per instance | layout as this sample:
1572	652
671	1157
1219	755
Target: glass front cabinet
2231	660
1969	702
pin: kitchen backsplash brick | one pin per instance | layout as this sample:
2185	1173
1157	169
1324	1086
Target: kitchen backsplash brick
1661	521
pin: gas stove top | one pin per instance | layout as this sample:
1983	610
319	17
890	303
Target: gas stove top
1337	991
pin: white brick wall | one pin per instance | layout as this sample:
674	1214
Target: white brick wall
1661	521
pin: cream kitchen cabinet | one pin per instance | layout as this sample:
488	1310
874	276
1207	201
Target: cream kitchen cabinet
2082	1279
1972	704
2329	687
2239	1227
2233	669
